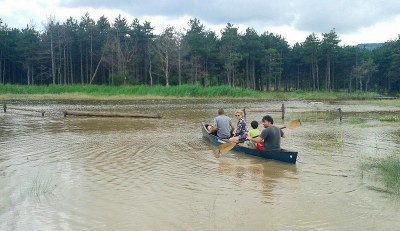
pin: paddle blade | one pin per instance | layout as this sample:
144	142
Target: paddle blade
224	148
294	124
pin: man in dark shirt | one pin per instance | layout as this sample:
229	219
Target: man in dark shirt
271	135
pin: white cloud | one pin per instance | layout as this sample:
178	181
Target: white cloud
357	21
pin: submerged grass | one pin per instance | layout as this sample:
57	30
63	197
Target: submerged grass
41	187
390	118
356	121
192	91
388	171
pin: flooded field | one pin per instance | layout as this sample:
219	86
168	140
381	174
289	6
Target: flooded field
80	173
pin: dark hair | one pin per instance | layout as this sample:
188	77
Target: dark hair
254	124
268	118
220	111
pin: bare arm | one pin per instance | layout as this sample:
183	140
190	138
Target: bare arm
255	140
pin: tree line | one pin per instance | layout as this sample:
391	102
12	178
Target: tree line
86	51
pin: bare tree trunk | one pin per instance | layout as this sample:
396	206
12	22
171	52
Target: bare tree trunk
65	67
328	73
192	70
59	60
150	74
313	74
269	73
247	73
253	74
4	70
70	64
33	74
350	87
81	63
27	75
298	77
112	64
166	67
91	53
53	70
317	76
280	71
333	76
1	69
195	69
87	65
97	68
179	66
233	78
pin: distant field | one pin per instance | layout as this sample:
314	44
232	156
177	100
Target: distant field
191	91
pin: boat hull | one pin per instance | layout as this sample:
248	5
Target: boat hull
282	155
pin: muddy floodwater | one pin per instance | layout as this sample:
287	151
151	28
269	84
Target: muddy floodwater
81	173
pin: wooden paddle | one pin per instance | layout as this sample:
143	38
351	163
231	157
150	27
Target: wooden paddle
226	147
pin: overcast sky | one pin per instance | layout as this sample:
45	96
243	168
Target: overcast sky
355	21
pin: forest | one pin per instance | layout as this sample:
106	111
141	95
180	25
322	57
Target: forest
118	52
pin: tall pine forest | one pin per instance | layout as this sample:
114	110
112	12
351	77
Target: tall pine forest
118	52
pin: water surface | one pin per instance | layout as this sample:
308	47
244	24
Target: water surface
80	173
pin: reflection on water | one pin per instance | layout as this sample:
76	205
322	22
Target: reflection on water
159	174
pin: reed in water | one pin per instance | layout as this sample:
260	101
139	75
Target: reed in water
388	171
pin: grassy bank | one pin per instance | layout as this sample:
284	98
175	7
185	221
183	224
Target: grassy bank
388	172
191	91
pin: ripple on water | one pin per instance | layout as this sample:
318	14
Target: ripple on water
127	174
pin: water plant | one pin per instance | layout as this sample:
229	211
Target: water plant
41	186
387	171
390	118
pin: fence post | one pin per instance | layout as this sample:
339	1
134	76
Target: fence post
244	113
5	108
340	114
283	111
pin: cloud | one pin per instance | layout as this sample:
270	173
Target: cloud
354	20
306	15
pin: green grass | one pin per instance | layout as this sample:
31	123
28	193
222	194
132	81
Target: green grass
390	118
192	91
388	171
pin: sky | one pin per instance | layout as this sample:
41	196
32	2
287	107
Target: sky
355	21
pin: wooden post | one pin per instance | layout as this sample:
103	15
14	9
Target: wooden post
283	111
102	114
5	108
244	113
340	114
